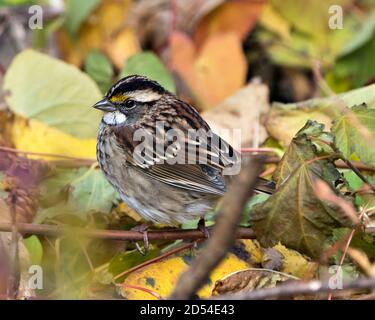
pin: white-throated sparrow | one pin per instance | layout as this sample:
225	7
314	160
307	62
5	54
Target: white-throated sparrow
149	151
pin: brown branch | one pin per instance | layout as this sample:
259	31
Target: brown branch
50	230
291	289
325	193
346	248
357	164
87	161
14	274
319	79
339	164
358	173
223	234
156	259
71	161
257	150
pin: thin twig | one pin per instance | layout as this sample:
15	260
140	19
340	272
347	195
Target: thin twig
339	164
45	154
223	234
256	150
325	193
245	151
320	81
87	256
334	248
351	235
149	291
358	173
291	289
50	230
156	259
268	171
359	165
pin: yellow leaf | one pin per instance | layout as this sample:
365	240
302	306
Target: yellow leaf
34	136
296	264
122	46
123	209
161	277
274	22
229	265
101	28
254	249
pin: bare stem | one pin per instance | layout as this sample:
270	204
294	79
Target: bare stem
291	289
50	230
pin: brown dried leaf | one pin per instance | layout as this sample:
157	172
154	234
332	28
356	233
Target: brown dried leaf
249	280
220	55
22	176
294	215
272	259
243	110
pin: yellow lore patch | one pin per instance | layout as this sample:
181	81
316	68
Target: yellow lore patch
119	98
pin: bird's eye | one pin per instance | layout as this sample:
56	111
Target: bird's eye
130	104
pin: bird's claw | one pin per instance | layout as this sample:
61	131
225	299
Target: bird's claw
143	229
202	228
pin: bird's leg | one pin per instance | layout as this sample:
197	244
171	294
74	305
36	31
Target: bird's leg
202	228
143	229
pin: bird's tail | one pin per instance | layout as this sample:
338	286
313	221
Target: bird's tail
265	186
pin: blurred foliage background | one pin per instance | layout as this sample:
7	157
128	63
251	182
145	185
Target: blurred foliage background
280	41
247	64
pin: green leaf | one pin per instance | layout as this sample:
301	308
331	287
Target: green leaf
309	16
285	120
16	2
361	37
358	138
91	192
76	12
78	192
35	249
357	67
149	65
53	92
354	183
128	259
256	199
55	188
99	68
293	215
360	240
41	36
311	38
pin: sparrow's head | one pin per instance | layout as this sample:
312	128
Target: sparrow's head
129	99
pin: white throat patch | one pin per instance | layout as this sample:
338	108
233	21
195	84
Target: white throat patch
114	118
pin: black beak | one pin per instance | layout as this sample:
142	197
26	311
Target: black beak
104	105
